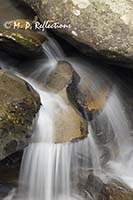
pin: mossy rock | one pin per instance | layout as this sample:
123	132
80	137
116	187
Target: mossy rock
19	104
21	43
15	37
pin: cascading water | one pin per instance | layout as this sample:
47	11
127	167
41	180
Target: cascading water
48	170
121	165
46	167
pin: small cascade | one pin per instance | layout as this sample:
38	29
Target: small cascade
53	50
52	171
46	167
114	111
121	166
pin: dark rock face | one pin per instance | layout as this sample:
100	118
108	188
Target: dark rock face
9	173
18	105
104	27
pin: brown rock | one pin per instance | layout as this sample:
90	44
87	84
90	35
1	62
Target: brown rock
61	77
19	104
69	124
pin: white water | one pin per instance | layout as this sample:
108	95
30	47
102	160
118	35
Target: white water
48	170
45	165
45	170
121	167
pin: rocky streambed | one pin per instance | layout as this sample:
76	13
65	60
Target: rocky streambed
98	29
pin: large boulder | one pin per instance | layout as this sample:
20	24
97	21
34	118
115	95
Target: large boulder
19	104
104	27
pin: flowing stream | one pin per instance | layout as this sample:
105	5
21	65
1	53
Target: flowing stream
48	170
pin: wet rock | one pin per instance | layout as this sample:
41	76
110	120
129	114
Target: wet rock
19	104
5	189
114	190
103	130
61	77
105	155
9	173
20	43
69	124
11	147
80	94
105	138
87	97
96	27
17	36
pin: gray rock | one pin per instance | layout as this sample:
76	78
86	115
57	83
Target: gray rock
18	105
104	27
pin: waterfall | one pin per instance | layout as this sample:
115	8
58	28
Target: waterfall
121	166
53	50
46	167
49	170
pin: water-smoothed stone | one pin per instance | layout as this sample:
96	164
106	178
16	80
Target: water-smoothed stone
60	77
80	98
19	104
69	123
17	35
86	97
102	27
114	190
